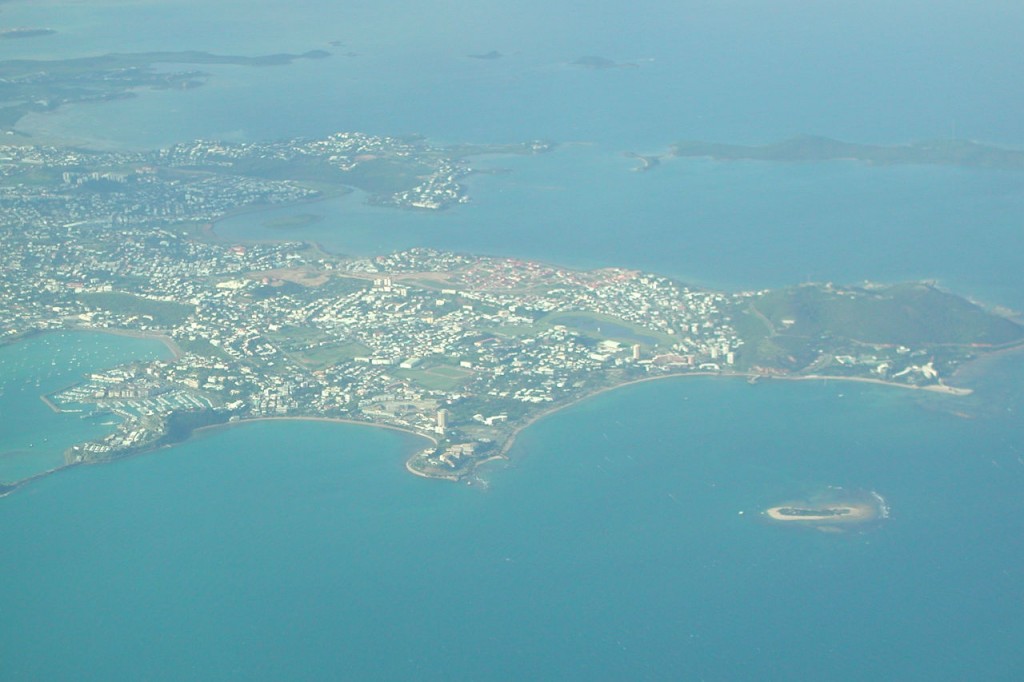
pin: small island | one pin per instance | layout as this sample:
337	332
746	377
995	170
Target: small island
647	162
855	513
15	33
815	148
831	510
595	63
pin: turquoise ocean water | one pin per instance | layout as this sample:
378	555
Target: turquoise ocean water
612	547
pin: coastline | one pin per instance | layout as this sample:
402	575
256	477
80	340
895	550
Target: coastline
509	442
543	414
162	337
314	418
980	366
934	388
416	472
530	421
8	488
14	485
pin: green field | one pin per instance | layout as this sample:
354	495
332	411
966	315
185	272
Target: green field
600	326
593	325
164	313
436	377
201	347
322	357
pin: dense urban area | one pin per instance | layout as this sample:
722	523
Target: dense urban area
462	349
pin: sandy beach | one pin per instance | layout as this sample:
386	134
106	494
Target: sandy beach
934	388
838	513
158	336
335	420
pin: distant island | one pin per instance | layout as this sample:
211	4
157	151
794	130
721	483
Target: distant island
37	85
596	63
950	152
493	54
647	162
15	33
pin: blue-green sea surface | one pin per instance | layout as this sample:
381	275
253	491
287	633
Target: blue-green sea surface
612	547
724	225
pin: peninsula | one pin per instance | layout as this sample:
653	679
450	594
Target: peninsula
464	350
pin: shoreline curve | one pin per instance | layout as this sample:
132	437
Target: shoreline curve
510	441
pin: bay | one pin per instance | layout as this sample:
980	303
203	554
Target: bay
612	548
33	437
